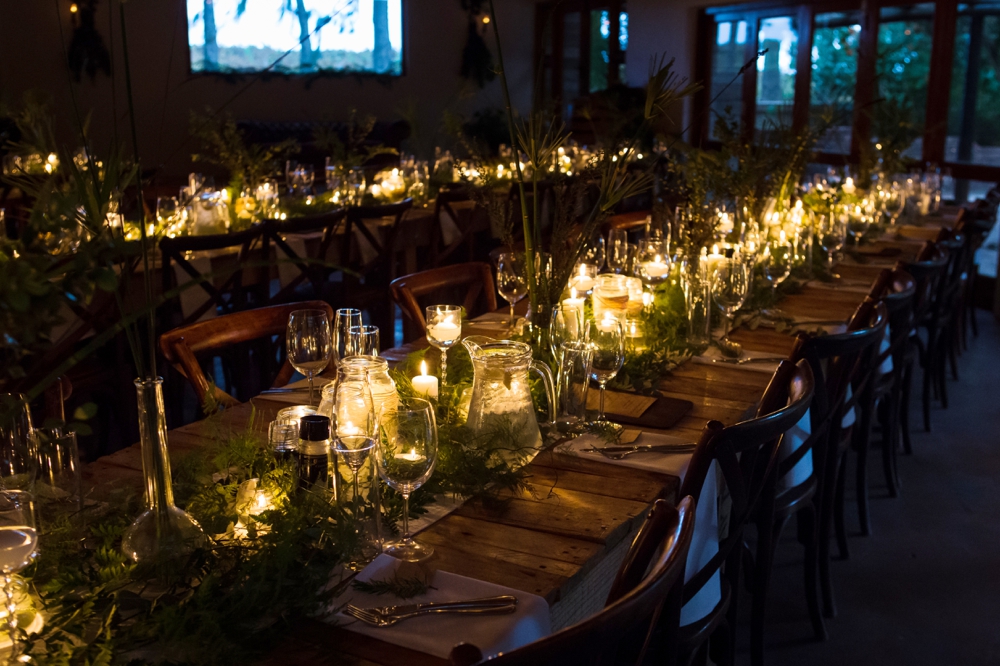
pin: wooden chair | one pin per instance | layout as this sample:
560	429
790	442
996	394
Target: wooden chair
837	361
182	345
746	455
313	268
468	221
227	291
476	279
661	548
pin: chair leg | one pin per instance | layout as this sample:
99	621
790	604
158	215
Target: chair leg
808	535
904	409
942	371
838	509
890	435
861	487
928	373
762	579
972	320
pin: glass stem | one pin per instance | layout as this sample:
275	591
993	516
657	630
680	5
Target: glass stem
8	588
601	416
310	388
512	315
729	326
406	516
357	498
444	367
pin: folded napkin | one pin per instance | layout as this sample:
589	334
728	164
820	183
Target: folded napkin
705	541
438	634
712	353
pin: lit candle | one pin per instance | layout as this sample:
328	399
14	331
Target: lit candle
725	223
848	186
445	331
584	278
611	295
715	258
635	292
608	324
657	268
424	384
574	303
412	456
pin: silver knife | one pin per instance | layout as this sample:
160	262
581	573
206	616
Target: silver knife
655	448
489	602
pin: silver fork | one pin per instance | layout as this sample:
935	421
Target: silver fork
625	454
374	618
741	361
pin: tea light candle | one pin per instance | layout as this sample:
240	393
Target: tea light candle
635	299
714	258
608	324
445	331
411	457
584	281
294	414
424	384
848	186
656	269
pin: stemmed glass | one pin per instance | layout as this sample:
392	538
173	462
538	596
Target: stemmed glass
167	212
595	253
444	330
566	325
309	343
405	454
511	283
362	341
777	263
730	287
832	236
653	261
18	546
607	343
355	436
895	199
355	185
344	319
618	250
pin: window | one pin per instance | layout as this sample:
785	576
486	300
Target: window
318	35
922	78
834	76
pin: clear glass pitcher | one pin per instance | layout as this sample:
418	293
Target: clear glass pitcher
501	392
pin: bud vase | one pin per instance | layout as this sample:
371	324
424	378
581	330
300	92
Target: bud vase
163	530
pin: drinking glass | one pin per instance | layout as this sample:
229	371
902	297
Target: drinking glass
59	466
566	325
618	250
895	199
343	320
309	343
444	330
18	546
653	261
18	463
777	263
571	389
607	344
695	283
730	287
355	437
283	436
167	211
355	186
511	283
332	172
595	254
832	236
405	454
363	341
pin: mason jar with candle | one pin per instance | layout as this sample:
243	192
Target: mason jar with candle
635	335
635	296
373	371
611	295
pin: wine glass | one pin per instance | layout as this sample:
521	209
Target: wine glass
405	454
653	261
355	436
511	282
309	343
444	330
343	320
355	185
58	467
566	325
362	341
777	263
18	546
18	464
167	211
618	250
832	236
895	199
730	287
607	344
595	254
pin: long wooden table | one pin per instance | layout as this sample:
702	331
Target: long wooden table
572	525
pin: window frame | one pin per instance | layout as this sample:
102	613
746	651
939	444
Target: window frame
938	83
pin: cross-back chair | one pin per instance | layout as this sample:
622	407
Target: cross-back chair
648	584
449	282
227	291
314	267
837	362
746	455
182	346
468	221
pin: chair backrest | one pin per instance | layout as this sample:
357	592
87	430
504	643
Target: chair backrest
174	250
928	270
465	220
476	279
383	242
312	267
182	345
596	640
747	454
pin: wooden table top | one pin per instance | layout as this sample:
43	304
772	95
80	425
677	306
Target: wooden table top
575	510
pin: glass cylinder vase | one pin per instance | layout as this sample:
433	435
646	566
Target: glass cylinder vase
163	530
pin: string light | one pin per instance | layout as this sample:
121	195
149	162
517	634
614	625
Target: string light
73	9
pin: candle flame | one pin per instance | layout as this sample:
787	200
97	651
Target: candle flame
423	368
583	270
572	292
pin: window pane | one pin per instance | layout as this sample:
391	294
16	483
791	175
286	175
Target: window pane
903	67
973	118
962	191
728	55
600	35
623	46
836	36
776	71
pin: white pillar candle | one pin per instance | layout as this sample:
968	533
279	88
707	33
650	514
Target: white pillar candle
445	331
656	269
424	384
574	303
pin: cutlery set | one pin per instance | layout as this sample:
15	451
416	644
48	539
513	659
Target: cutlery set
386	616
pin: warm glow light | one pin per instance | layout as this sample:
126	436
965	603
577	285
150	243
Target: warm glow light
572	292
73	9
486	19
423	368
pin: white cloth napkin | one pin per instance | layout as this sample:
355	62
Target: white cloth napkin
712	353
193	297
449	229
287	269
705	541
438	634
793	439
